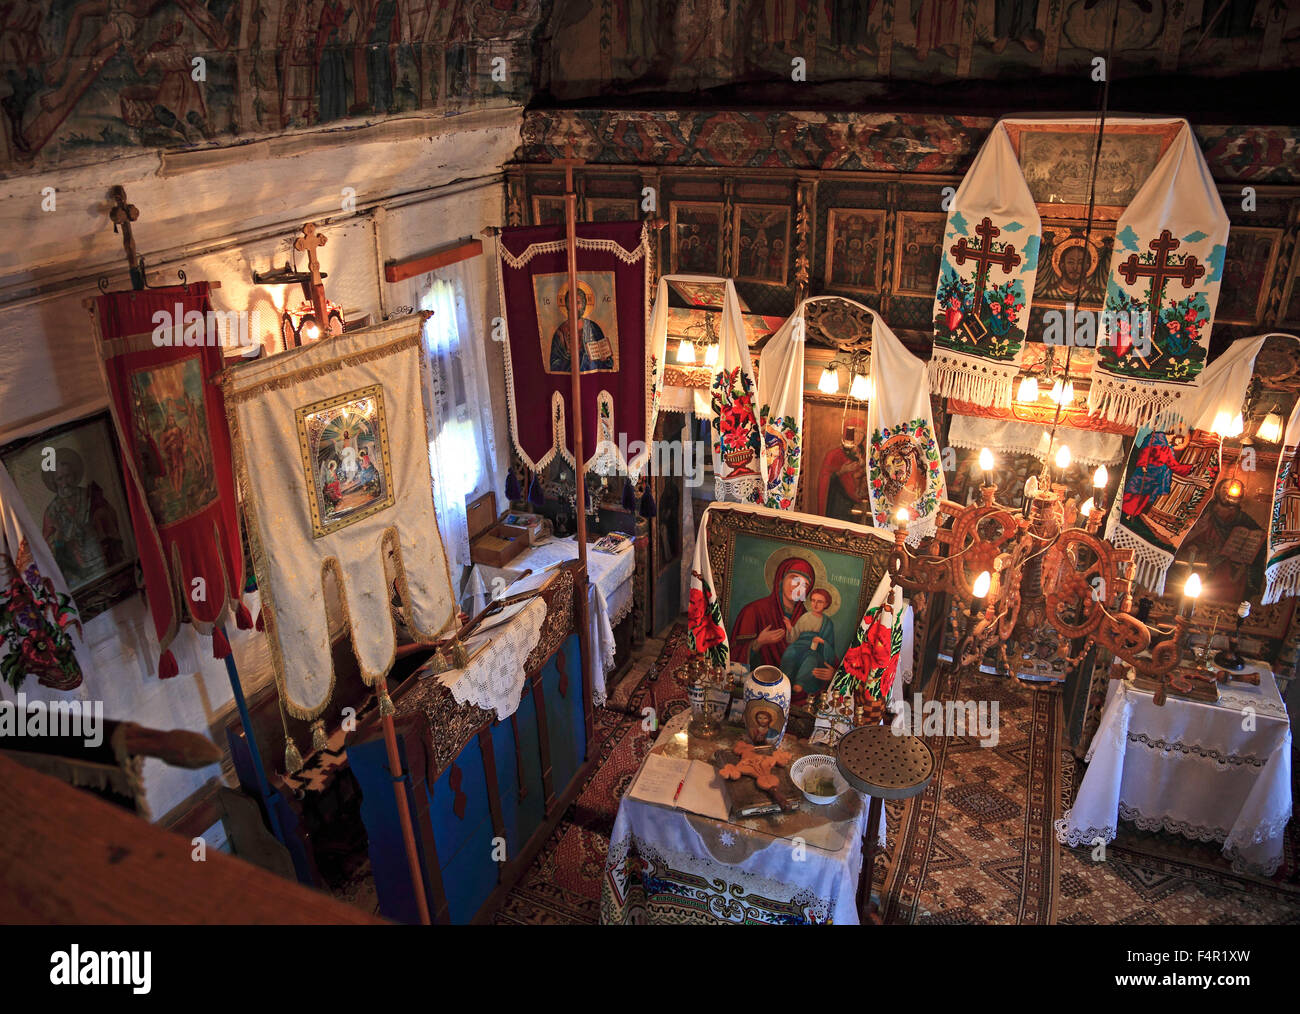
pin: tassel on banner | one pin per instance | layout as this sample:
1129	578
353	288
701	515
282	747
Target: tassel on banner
243	618
167	667
220	646
319	741
292	758
536	496
512	486
648	507
261	620
386	708
629	495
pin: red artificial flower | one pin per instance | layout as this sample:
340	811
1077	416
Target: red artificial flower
707	634
1009	299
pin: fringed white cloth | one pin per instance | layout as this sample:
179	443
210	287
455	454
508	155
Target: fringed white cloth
1167	263
1170	447
986	278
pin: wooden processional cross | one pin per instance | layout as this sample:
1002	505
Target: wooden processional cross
984	258
309	242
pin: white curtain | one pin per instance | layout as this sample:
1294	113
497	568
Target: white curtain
460	427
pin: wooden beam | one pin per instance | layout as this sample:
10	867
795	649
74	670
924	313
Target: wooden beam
69	858
409	267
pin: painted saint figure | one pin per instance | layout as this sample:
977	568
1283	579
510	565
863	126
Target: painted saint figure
595	351
1152	475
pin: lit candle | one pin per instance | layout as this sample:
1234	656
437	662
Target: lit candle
1192	591
986	465
1062	462
981	589
1100	477
1086	509
902	516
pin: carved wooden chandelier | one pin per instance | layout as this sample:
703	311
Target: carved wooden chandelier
1013	571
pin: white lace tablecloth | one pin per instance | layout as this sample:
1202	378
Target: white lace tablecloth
494	679
1212	772
672	866
609	600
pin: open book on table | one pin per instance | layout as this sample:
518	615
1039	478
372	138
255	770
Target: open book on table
683	784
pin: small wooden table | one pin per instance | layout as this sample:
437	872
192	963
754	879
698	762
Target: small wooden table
885	765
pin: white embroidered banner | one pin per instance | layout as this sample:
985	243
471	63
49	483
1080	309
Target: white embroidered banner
986	278
904	467
1163	288
1282	569
332	453
780	399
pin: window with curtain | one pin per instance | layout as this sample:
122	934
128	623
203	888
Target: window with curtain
461	440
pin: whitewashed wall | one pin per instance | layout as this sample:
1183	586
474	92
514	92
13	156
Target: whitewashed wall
416	189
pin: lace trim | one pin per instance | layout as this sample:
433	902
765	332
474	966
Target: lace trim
561	245
1178	749
1262	707
1149	563
1080	837
1198	832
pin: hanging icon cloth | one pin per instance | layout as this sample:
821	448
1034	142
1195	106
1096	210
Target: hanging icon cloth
333	456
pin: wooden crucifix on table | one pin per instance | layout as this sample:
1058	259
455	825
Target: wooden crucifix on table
308	243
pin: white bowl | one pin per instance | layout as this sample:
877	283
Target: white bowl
815	765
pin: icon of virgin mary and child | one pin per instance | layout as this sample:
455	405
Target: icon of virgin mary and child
791	626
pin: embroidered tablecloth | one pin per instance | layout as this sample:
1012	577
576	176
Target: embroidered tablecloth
1212	772
669	866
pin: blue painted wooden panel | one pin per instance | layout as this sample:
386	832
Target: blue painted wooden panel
470	875
369	763
564	715
503	750
532	808
463	787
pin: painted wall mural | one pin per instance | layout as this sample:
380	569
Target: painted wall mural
81	79
649	45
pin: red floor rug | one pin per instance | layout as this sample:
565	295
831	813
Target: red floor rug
563	885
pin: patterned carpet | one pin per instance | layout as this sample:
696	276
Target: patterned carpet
976	848
563	885
1156	878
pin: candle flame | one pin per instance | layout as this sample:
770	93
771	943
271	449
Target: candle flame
1192	589
986	460
982	584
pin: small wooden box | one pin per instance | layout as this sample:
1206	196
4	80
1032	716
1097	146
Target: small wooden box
490	542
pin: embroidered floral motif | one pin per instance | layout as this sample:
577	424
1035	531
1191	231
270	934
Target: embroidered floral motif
34	618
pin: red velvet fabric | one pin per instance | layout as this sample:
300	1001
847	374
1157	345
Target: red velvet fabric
175	443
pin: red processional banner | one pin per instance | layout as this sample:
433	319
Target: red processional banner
161	349
618	371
